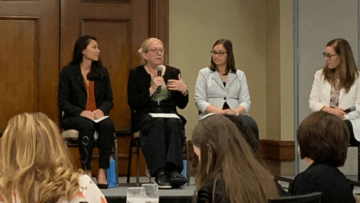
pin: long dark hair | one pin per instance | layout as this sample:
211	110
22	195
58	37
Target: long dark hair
347	67
227	158
97	69
230	63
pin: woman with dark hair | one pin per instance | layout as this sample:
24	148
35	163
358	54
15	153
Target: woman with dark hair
323	141
336	86
156	88
85	95
228	170
223	89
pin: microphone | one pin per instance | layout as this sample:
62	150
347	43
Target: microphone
159	68
353	108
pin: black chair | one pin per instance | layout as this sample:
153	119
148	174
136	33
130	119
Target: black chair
356	145
314	197
135	142
71	136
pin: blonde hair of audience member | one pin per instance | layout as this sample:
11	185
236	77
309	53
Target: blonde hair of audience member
225	156
145	46
35	161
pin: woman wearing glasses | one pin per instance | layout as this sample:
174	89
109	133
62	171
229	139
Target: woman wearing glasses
223	89
336	87
155	88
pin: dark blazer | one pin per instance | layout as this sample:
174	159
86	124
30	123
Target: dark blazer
73	94
328	180
139	95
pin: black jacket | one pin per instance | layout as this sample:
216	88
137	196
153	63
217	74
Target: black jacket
328	180
139	95
73	94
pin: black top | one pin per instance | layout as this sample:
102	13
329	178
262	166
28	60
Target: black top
73	94
205	194
139	95
328	180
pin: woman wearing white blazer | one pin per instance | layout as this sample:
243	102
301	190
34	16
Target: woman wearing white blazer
336	87
223	89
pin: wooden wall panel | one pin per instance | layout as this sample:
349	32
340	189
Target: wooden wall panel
18	62
29	60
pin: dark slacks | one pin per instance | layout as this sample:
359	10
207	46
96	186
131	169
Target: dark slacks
251	123
86	129
161	140
351	131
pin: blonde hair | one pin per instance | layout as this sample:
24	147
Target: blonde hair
35	161
146	43
145	46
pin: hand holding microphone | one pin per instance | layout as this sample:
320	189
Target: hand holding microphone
348	110
340	111
158	81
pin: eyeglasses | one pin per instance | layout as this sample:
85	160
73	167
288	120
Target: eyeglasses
156	50
220	53
328	56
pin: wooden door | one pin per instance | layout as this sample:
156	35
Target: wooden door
29	58
120	27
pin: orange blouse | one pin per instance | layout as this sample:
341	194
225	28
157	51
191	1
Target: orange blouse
90	104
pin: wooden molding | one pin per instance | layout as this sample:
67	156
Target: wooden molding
159	23
277	150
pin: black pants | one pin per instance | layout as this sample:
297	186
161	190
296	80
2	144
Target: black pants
161	140
251	123
86	129
351	131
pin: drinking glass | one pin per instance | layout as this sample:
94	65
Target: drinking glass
135	195
151	193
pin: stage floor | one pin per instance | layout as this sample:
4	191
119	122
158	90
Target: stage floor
184	194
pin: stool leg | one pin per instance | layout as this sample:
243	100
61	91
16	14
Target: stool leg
187	163
138	162
129	163
358	163
116	162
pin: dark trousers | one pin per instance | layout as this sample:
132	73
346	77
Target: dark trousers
86	129
351	131
161	140
251	123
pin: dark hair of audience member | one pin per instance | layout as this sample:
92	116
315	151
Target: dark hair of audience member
324	138
246	132
227	158
97	69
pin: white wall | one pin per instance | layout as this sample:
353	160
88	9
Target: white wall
319	22
194	26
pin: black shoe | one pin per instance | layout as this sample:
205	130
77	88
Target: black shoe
176	179
102	186
161	180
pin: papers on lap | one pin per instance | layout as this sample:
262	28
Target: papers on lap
100	119
164	115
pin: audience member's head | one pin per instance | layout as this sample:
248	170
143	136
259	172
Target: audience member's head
33	155
324	138
246	132
225	156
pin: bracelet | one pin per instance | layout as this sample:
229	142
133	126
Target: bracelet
186	93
